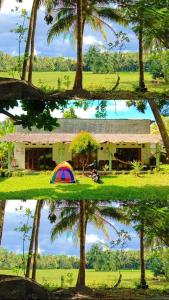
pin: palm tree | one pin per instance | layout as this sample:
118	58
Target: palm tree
71	19
31	244
39	209
31	37
143	283
78	214
34	241
79	77
2	214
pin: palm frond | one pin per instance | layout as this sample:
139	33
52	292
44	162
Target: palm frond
60	26
64	224
113	15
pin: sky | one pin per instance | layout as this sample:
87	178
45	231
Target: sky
63	244
59	47
115	110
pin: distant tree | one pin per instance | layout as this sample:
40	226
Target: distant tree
70	114
84	144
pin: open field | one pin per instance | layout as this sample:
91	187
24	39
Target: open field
94	279
115	187
129	80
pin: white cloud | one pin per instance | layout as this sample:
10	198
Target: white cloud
118	106
89	40
8	5
89	113
13	204
93	238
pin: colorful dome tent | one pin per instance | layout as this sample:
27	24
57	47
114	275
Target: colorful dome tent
63	173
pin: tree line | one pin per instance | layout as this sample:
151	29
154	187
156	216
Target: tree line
97	259
95	60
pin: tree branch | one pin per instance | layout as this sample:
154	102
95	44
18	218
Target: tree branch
14	89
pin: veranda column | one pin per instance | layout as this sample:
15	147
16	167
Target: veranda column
61	152
9	157
110	156
158	155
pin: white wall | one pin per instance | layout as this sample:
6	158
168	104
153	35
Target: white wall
61	152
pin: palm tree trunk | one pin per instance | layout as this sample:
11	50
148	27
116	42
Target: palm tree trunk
32	241
40	203
160	124
142	86
2	214
78	277
28	42
143	284
33	42
81	277
78	84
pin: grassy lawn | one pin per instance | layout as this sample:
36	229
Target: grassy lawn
96	279
129	80
149	186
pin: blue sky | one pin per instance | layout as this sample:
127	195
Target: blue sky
63	244
9	44
115	110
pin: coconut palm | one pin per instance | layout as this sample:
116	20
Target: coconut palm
77	214
2	215
33	246
30	42
71	20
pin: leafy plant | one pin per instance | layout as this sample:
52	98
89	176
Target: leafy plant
137	167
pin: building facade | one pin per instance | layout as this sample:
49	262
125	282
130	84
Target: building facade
127	140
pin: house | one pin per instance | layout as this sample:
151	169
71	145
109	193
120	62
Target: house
128	140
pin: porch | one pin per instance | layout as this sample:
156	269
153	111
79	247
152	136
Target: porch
40	152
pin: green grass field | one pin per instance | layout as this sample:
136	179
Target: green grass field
129	80
117	187
52	278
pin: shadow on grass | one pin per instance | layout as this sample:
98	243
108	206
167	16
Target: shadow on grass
89	192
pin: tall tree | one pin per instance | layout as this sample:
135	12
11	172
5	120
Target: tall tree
157	106
2	214
78	214
72	17
161	125
82	229
143	283
30	42
36	247
32	241
79	78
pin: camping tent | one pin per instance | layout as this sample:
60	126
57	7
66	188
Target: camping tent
63	173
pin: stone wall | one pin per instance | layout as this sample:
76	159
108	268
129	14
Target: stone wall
99	126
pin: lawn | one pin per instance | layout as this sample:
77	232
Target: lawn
96	279
128	81
115	187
